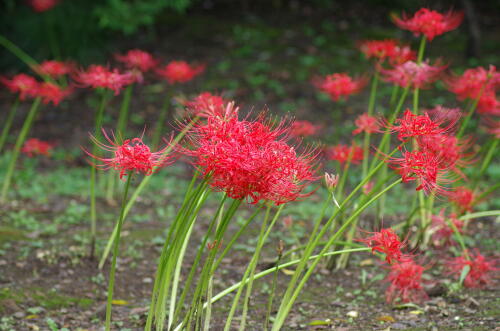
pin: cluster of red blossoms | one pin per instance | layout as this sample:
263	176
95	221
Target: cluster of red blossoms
413	74
429	23
344	153
366	123
180	71
28	87
405	274
36	146
480	271
43	5
339	85
303	129
97	76
250	159
480	84
438	151
137	59
55	69
206	104
131	156
387	49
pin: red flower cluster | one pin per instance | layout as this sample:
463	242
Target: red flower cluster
480	269
179	72
98	76
366	123
412	125
50	92
430	23
206	104
36	146
421	166
463	198
442	232
42	5
303	129
250	159
130	156
450	151
25	85
137	59
387	242
442	114
343	153
387	49
478	83
413	74
54	68
406	282
339	85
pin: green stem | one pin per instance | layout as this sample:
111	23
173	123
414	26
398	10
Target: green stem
394	94
8	123
258	249
95	151
273	287
415	100
161	119
467	118
143	184
120	133
371	107
266	272
489	156
421	49
19	53
115	254
28	122
480	214
286	305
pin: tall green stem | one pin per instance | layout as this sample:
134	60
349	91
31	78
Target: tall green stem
8	123
472	108
115	254
421	49
95	150
120	132
286	305
28	122
143	184
371	107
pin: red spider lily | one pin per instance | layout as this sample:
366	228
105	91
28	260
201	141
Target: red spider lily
43	5
411	125
303	129
449	150
339	85
180	72
480	269
442	233
98	76
250	159
387	49
423	167
343	153
36	146
130	156
477	83
331	181
50	92
430	23
54	68
137	59
413	74
366	123
406	282
442	114
463	198
23	84
207	104
387	242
